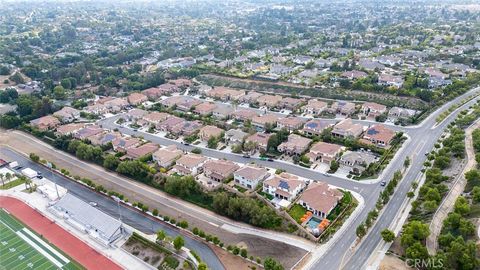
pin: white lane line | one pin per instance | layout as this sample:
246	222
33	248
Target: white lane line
40	250
47	246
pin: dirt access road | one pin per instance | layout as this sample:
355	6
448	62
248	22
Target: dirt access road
257	246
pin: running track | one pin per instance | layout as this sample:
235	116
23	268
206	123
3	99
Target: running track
72	246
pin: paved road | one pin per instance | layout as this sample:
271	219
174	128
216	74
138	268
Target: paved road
422	140
427	134
129	216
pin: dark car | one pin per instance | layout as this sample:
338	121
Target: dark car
270	159
383	183
39	177
246	156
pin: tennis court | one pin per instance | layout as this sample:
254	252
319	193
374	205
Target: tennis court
20	248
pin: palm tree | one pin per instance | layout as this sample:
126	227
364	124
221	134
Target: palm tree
8	176
28	182
2	178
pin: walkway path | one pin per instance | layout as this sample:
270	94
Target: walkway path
458	186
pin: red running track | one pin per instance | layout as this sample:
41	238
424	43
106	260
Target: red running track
71	245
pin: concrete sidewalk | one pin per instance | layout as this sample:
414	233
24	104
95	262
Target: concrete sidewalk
458	186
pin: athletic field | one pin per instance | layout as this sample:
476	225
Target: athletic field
20	248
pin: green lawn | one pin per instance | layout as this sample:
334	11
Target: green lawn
297	211
20	249
12	184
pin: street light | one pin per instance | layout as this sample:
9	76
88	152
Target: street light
118	208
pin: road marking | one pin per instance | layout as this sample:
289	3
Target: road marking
213	224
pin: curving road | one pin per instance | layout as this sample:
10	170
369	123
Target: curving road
339	254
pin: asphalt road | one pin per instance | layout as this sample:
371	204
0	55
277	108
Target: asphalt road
423	137
129	216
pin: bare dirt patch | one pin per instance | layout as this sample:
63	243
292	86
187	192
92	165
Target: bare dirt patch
390	262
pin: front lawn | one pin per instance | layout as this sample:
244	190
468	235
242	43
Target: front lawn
296	212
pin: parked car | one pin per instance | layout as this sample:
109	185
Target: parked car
246	156
94	204
383	183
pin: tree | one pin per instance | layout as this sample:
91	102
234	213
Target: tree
212	142
196	151
111	162
65	83
361	230
462	206
334	166
161	235
417	251
202	266
476	194
178	242
59	92
271	264
34	157
387	235
406	163
414	231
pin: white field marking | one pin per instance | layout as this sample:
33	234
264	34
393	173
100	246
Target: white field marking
40	250
47	246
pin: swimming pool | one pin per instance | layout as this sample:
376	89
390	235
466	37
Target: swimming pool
313	223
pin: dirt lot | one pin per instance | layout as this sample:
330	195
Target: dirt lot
257	246
228	259
390	262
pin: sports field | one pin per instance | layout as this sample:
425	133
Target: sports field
20	248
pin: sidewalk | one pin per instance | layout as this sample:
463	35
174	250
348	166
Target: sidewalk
456	190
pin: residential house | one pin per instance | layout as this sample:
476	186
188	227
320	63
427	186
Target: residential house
250	176
219	170
260	140
189	164
346	128
291	123
390	80
166	157
123	144
315	107
87	132
168	124
283	186
186	128
222	112
320	199
397	112
295	145
356	162
372	109
324	152
136	114
116	104
251	97
234	136
188	104
205	108
208	132
261	122
45	122
379	135
290	103
226	94
271	101
354	74
136	98
343	107
155	118
153	93
244	115
315	127
142	150
69	129
104	138
67	114
97	109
